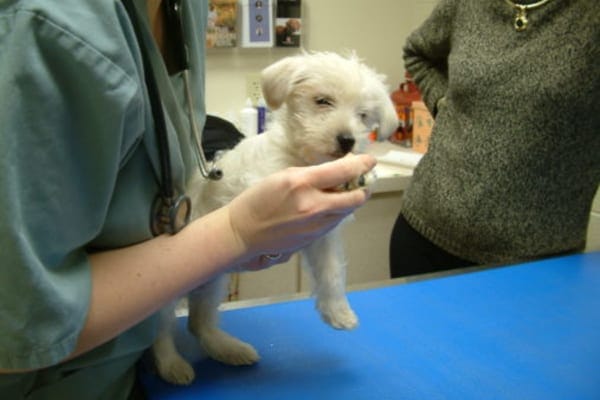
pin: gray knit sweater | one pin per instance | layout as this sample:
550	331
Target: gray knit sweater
514	157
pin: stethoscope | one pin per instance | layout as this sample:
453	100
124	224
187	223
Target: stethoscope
171	210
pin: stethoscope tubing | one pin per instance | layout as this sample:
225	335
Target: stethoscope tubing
170	211
213	173
160	126
181	60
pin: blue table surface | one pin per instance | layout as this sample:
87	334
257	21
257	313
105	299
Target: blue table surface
529	331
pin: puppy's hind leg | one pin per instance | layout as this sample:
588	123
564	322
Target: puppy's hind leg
204	324
325	259
170	365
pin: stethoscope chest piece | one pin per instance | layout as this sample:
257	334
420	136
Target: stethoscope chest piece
170	211
170	215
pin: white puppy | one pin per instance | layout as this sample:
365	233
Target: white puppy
326	107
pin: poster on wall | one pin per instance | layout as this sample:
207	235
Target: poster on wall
220	30
288	25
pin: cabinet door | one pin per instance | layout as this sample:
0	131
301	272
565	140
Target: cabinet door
593	237
276	281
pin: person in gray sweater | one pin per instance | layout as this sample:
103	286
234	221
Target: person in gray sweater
514	156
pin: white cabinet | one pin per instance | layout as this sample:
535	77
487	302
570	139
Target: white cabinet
593	236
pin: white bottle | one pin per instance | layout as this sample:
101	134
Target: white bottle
248	120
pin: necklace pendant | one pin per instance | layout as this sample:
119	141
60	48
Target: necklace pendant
521	20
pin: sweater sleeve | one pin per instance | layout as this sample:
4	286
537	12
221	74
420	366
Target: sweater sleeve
68	121
426	53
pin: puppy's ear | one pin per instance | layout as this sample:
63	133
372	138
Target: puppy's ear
386	112
277	81
388	118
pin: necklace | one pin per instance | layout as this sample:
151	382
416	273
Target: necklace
521	20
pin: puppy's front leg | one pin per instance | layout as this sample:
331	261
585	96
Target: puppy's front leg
326	262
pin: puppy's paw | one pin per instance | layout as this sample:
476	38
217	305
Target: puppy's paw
175	370
339	316
225	348
365	181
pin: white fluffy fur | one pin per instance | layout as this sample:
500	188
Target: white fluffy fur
318	97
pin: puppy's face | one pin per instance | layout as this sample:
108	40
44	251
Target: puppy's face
329	104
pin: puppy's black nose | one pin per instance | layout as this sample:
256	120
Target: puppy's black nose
346	142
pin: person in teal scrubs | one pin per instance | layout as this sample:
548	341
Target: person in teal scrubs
81	275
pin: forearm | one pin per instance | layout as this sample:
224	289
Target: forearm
129	284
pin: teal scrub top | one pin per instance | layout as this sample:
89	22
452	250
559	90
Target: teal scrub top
78	172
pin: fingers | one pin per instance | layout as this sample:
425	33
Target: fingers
340	204
338	172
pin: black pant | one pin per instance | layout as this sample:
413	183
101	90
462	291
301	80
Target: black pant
412	254
137	391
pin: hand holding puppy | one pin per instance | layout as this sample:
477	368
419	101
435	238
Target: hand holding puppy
292	208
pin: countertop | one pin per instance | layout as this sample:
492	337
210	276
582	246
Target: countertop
526	331
394	167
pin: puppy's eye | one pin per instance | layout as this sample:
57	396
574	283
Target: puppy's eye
363	116
323	102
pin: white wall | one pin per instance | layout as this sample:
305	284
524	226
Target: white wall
375	29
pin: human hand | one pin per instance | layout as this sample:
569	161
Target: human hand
289	209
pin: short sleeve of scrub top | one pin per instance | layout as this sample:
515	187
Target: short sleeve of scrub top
78	174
